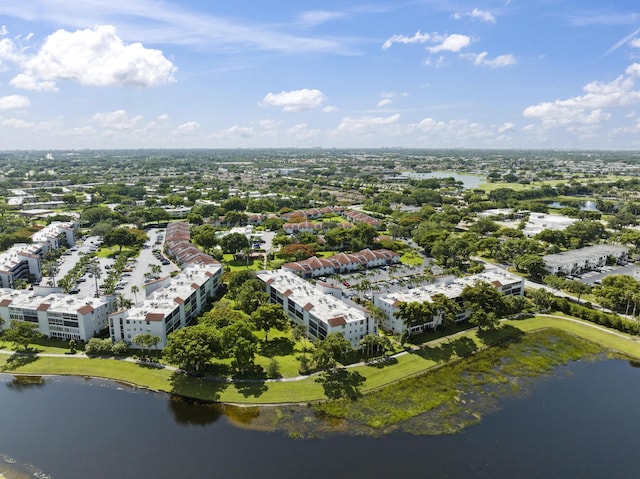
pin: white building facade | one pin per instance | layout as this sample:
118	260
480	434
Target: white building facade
58	316
451	287
173	304
316	307
584	259
24	261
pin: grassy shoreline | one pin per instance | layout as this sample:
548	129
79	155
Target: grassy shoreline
371	377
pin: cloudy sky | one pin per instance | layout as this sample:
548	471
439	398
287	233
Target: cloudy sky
284	73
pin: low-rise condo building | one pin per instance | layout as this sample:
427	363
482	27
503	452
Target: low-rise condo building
170	305
57	315
316	308
449	286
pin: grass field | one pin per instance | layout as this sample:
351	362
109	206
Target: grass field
487	187
372	376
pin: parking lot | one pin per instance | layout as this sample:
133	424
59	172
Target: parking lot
137	272
595	277
384	279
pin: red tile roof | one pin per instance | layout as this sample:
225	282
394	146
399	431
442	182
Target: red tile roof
339	321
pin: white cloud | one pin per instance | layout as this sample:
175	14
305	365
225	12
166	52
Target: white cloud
506	127
330	109
233	132
3	30
93	57
417	38
477	14
268	124
635	43
384	102
16	123
633	70
621	42
116	120
23	81
177	23
163	117
8	53
497	62
13	101
302	132
451	43
188	127
315	17
296	100
365	123
588	109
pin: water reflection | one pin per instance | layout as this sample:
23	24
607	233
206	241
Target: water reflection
20	383
193	413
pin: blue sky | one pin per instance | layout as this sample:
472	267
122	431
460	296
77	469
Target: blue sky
414	73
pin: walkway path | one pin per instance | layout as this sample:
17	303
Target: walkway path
432	343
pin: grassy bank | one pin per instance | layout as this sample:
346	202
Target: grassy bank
361	379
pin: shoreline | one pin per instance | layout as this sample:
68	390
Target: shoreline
300	389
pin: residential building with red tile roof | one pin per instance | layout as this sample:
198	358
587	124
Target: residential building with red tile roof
342	263
57	315
171	304
316	307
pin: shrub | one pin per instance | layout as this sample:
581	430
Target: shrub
119	348
98	347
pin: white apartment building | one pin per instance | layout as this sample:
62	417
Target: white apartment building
316	307
23	261
584	259
57	315
538	222
171	304
451	287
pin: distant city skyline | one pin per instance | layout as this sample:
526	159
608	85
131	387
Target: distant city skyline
334	74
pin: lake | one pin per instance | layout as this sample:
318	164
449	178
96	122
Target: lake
588	205
468	181
580	422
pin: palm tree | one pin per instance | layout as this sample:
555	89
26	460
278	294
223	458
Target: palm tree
135	290
415	314
50	269
155	270
377	314
94	269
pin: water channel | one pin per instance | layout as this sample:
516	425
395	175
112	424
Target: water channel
581	422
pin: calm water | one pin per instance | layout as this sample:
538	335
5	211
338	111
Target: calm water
468	181
583	422
589	205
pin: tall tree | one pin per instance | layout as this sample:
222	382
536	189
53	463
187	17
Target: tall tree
191	348
244	353
482	295
446	307
234	242
268	316
120	237
331	350
22	333
251	296
415	313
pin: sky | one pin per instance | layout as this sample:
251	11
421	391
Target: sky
334	74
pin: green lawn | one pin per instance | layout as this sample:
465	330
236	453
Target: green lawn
411	258
373	376
487	187
241	264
